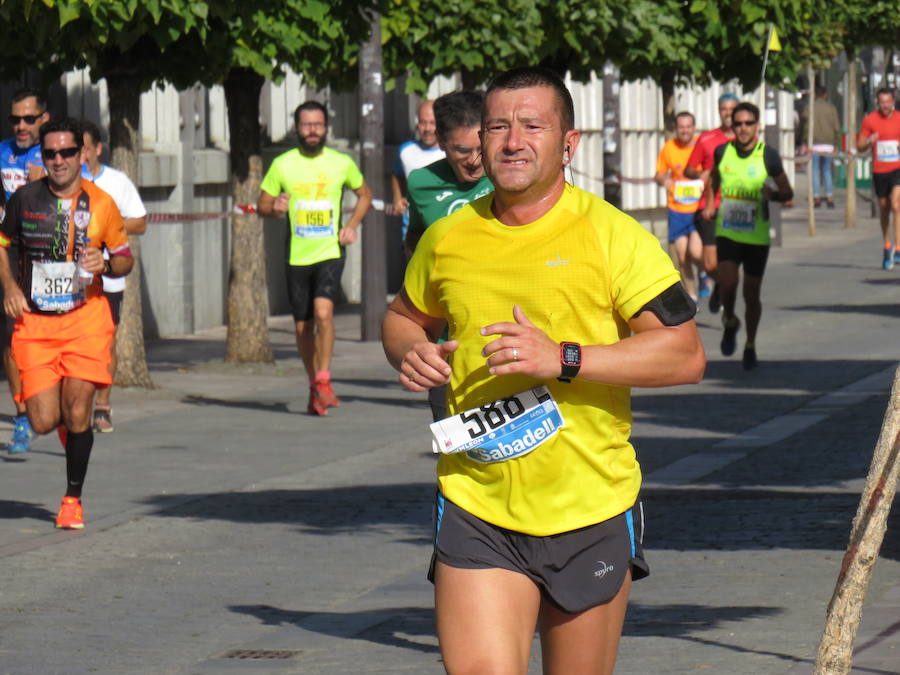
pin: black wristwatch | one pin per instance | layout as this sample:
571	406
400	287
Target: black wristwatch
570	358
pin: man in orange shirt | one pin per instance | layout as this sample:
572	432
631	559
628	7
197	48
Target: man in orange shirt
64	327
881	132
683	196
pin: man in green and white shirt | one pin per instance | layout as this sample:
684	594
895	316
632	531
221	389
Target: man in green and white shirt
750	175
439	189
448	184
306	184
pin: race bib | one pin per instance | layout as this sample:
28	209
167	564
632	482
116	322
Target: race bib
738	215
312	219
687	192
505	429
13	179
887	151
56	286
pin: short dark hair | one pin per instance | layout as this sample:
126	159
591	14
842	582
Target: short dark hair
746	106
90	129
458	109
885	90
63	125
685	113
536	76
27	92
310	105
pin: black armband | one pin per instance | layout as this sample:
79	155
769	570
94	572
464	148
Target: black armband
672	307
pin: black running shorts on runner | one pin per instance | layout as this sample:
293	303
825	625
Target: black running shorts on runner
306	282
576	570
705	228
115	304
752	256
884	183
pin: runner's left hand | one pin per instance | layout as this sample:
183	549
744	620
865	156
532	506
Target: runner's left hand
348	235
524	348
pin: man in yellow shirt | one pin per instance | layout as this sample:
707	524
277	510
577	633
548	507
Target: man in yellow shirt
682	197
541	285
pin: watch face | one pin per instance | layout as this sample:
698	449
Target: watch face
571	354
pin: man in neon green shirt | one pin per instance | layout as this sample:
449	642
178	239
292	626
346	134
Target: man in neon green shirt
306	184
750	174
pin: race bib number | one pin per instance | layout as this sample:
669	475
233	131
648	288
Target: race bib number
738	215
56	286
505	429
888	151
687	192
312	219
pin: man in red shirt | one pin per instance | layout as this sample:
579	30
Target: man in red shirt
700	165
881	132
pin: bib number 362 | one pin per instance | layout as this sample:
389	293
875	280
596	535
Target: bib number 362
504	429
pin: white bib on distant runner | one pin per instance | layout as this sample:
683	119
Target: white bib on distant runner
738	215
687	191
888	151
505	429
56	286
312	219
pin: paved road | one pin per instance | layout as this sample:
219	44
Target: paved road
224	522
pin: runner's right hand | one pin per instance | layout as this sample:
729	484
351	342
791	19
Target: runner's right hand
425	365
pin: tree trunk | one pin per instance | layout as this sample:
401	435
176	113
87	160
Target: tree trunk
124	142
667	85
850	207
845	609
248	299
810	122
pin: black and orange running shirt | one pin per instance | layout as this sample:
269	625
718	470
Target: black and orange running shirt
50	234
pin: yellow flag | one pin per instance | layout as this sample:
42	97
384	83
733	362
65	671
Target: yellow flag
774	42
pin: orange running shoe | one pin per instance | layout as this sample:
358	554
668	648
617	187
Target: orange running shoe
71	515
316	405
326	393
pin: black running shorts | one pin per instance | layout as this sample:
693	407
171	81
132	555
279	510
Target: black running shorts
307	282
752	256
885	182
706	229
576	570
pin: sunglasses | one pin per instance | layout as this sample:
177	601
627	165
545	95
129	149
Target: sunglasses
65	153
744	124
28	119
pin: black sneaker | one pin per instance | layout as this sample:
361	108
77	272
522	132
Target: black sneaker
729	337
714	304
750	361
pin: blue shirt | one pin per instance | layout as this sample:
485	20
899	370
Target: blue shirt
15	162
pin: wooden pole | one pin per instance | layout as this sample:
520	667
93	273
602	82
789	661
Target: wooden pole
850	207
371	136
835	653
810	121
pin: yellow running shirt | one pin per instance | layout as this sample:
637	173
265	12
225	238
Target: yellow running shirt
579	272
316	186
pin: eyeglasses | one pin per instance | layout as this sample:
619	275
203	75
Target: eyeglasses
744	124
65	153
28	119
312	125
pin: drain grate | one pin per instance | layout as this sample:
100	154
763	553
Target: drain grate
261	654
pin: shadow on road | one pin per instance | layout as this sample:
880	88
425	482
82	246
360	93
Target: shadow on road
15	510
392	627
326	512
